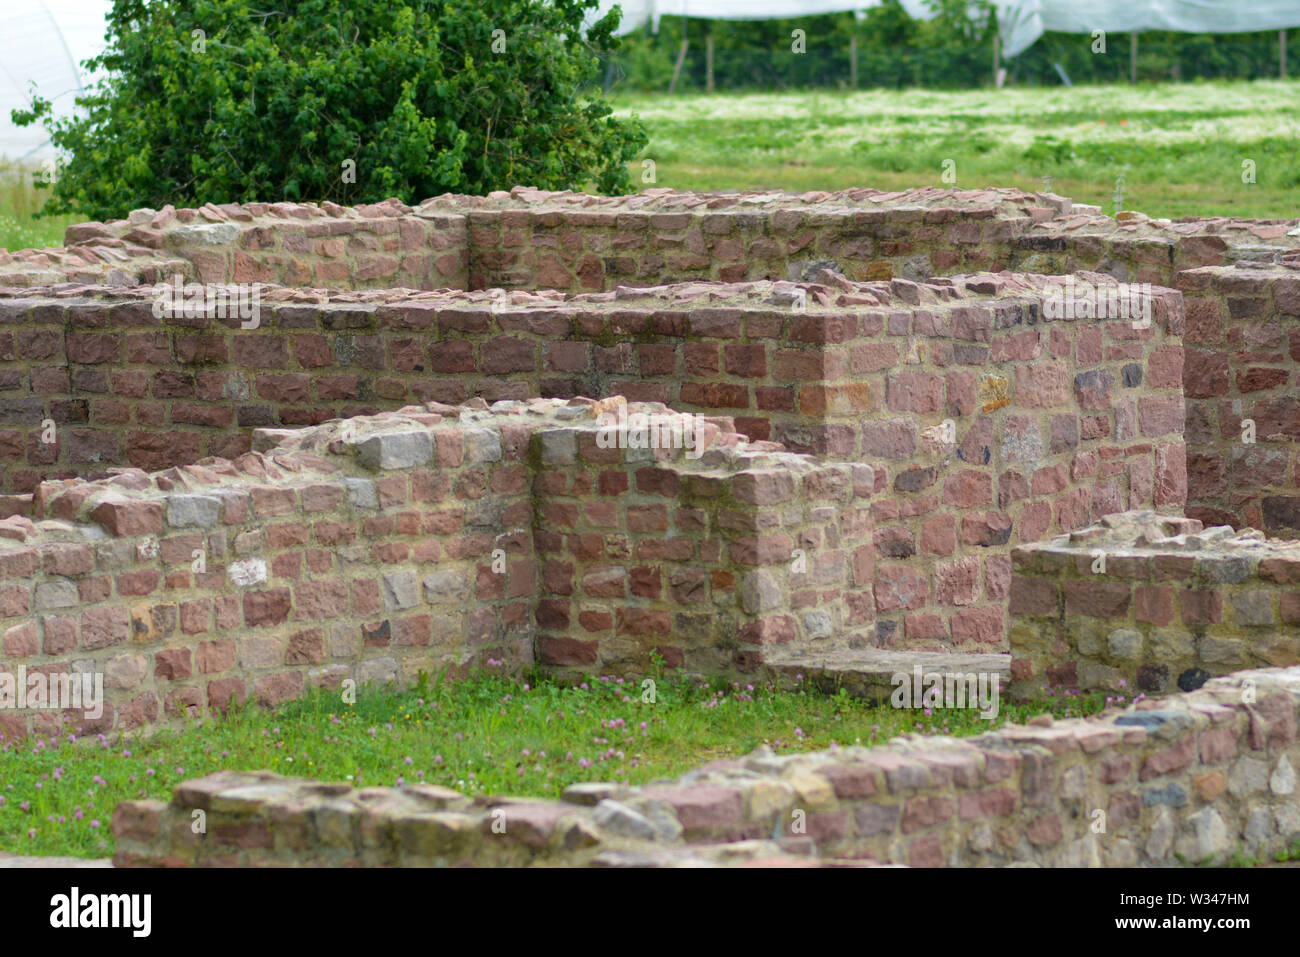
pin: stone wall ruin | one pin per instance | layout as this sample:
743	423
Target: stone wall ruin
831	324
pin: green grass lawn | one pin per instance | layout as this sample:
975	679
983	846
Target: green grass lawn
1179	147
489	734
20	198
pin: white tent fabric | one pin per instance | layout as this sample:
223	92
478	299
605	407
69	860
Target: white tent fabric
637	12
1021	22
44	42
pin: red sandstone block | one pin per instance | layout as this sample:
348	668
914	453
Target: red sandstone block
319	599
774	630
1043	385
900	586
93	348
213	657
1050	480
715	395
823	329
553	650
505	354
1160	415
982	625
260	350
1097	599
1074	509
1033	597
1174	758
21	641
1219	744
763	550
957	582
1021	346
926	811
701	808
1284	571
195	615
643	621
1201	607
416	630
850	781
874	357
306	648
646	582
264	608
748	361
271	691
926	851
143	582
129	518
138	820
968	489
312	351
68	559
762	487
1045	830
1154	604
939	535
270	500
227	609
172	664
925	628
60	635
103	626
918	392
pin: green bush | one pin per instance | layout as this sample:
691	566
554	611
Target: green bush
230	100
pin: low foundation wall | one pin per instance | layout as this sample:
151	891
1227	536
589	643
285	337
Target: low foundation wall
432	538
1152	604
1194	779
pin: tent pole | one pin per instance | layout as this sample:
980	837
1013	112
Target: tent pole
681	56
1281	54
1133	58
853	62
708	62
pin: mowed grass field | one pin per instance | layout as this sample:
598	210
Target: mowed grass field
1179	148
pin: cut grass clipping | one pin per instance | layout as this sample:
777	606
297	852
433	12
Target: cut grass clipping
488	734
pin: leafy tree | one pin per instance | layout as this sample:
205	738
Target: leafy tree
230	100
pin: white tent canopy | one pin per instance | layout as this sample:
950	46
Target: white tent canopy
44	42
637	12
1020	22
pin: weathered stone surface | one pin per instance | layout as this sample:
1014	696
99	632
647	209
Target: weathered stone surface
398	450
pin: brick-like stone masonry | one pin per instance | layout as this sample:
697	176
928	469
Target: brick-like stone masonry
1192	779
862	364
1143	602
986	423
948	419
432	538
